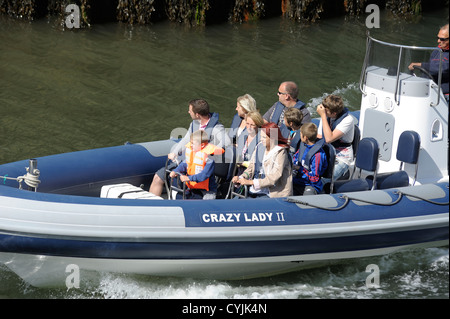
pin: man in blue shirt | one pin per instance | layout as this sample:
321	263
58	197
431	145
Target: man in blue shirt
432	66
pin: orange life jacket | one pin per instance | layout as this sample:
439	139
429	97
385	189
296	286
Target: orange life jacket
196	162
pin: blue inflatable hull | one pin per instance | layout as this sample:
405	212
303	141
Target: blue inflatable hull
229	239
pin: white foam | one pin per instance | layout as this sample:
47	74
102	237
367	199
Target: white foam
420	273
346	93
410	274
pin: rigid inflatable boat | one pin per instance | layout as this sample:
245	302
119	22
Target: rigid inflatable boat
62	217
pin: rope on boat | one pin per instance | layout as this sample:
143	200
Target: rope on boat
348	199
30	178
296	201
427	200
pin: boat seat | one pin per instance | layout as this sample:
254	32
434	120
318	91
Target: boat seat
367	160
355	144
126	191
407	152
223	165
331	159
356	140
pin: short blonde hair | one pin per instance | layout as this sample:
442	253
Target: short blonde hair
256	117
309	130
200	136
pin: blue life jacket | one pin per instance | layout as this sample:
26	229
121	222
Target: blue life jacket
295	142
259	167
213	120
343	115
251	148
234	128
301	177
313	150
275	118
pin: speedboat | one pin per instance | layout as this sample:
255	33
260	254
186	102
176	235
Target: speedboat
86	210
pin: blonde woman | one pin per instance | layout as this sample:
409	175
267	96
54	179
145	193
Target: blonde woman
244	104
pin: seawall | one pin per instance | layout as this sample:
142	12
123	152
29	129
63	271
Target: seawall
205	12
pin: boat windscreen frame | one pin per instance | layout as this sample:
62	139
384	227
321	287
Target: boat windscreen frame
401	47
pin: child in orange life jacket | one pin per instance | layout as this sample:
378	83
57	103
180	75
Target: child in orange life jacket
197	170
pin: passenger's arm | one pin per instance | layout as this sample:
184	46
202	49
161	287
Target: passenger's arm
412	65
179	147
246	177
316	165
221	138
207	172
329	135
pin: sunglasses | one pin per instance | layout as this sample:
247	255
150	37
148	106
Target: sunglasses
442	39
281	93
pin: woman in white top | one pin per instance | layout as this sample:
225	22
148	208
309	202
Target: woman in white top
337	126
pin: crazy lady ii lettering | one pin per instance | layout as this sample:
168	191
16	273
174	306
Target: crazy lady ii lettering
209	218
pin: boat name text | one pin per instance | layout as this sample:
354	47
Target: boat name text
242	217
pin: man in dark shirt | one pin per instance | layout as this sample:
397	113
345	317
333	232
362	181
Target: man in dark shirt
287	97
432	66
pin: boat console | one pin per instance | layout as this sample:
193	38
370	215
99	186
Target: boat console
395	100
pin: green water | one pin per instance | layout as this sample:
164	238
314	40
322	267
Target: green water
63	91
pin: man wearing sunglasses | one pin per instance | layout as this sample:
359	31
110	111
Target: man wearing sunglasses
432	66
287	97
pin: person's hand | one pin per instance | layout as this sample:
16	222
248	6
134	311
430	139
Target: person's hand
184	178
172	174
411	66
235	180
321	110
172	156
248	182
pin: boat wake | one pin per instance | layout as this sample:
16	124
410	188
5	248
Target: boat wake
418	273
349	92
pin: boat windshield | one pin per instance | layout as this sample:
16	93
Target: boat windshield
396	59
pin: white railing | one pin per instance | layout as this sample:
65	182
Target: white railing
401	48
